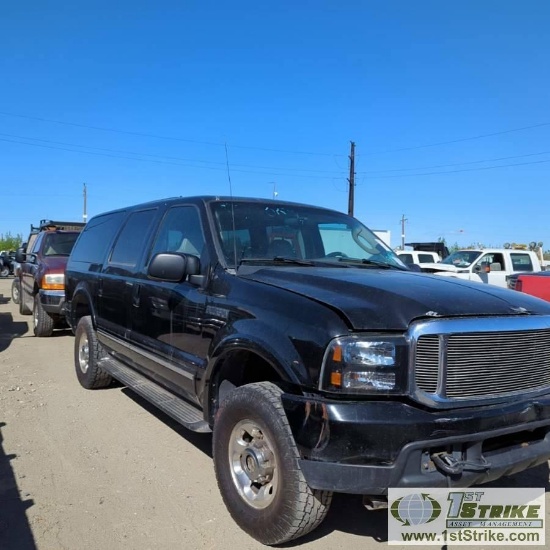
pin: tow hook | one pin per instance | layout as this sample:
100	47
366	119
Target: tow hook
447	463
375	503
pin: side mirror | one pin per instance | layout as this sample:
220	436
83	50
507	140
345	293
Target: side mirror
171	267
20	256
414	267
482	268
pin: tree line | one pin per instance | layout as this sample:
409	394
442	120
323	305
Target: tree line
10	242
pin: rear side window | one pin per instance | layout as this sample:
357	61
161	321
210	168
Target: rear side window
426	258
132	240
521	262
406	258
94	241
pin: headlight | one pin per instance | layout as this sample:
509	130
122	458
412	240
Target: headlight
364	364
53	281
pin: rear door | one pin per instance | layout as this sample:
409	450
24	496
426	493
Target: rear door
117	285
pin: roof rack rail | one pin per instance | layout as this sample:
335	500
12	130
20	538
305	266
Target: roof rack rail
63	226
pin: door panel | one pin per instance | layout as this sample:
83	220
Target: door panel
167	317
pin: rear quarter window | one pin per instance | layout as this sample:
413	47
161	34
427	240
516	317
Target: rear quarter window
521	262
96	238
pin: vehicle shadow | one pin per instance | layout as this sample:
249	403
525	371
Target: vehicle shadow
10	329
15	531
202	441
346	514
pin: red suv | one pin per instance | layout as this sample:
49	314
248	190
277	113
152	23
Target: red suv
42	273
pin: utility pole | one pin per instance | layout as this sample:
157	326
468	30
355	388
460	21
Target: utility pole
84	214
351	179
403	220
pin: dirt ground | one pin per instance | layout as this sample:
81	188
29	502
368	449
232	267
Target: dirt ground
103	470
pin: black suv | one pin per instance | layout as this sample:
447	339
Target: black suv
318	359
39	285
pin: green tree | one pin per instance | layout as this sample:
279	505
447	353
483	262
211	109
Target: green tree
9	241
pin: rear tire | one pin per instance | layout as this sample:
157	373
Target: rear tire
15	291
87	355
43	322
257	467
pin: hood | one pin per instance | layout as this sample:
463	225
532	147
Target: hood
56	264
429	267
376	299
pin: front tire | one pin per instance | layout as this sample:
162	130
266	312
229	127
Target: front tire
87	354
43	322
15	291
257	467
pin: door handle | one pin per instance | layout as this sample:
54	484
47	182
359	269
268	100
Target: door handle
136	295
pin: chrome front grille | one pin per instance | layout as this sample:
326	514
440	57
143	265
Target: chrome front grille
454	361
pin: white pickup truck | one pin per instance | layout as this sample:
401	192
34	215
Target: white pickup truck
488	265
419	257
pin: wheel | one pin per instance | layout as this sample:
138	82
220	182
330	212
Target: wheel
43	322
4	271
87	353
336	255
257	468
15	291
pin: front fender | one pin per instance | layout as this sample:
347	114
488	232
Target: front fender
271	344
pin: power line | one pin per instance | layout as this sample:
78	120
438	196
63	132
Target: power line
269	173
464	170
220	144
165	156
166	162
172	138
480	136
454	164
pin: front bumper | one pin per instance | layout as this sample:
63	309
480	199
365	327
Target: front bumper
52	301
366	447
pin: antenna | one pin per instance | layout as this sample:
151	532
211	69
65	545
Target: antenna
228	173
85	213
232	207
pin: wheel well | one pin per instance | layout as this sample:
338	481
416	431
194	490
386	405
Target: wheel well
237	369
81	309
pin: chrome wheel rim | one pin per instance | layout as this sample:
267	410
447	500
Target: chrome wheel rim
253	465
84	354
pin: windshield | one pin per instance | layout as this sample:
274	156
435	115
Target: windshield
59	244
267	231
462	258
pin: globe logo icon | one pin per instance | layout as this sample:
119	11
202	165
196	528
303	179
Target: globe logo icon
415	509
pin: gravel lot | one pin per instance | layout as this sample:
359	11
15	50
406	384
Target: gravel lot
103	470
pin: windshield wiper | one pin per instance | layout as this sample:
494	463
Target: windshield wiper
367	262
275	259
289	261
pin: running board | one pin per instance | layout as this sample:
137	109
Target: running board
180	410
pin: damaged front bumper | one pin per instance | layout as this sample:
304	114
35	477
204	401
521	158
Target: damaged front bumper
365	447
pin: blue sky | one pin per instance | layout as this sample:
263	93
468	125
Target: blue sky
447	103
